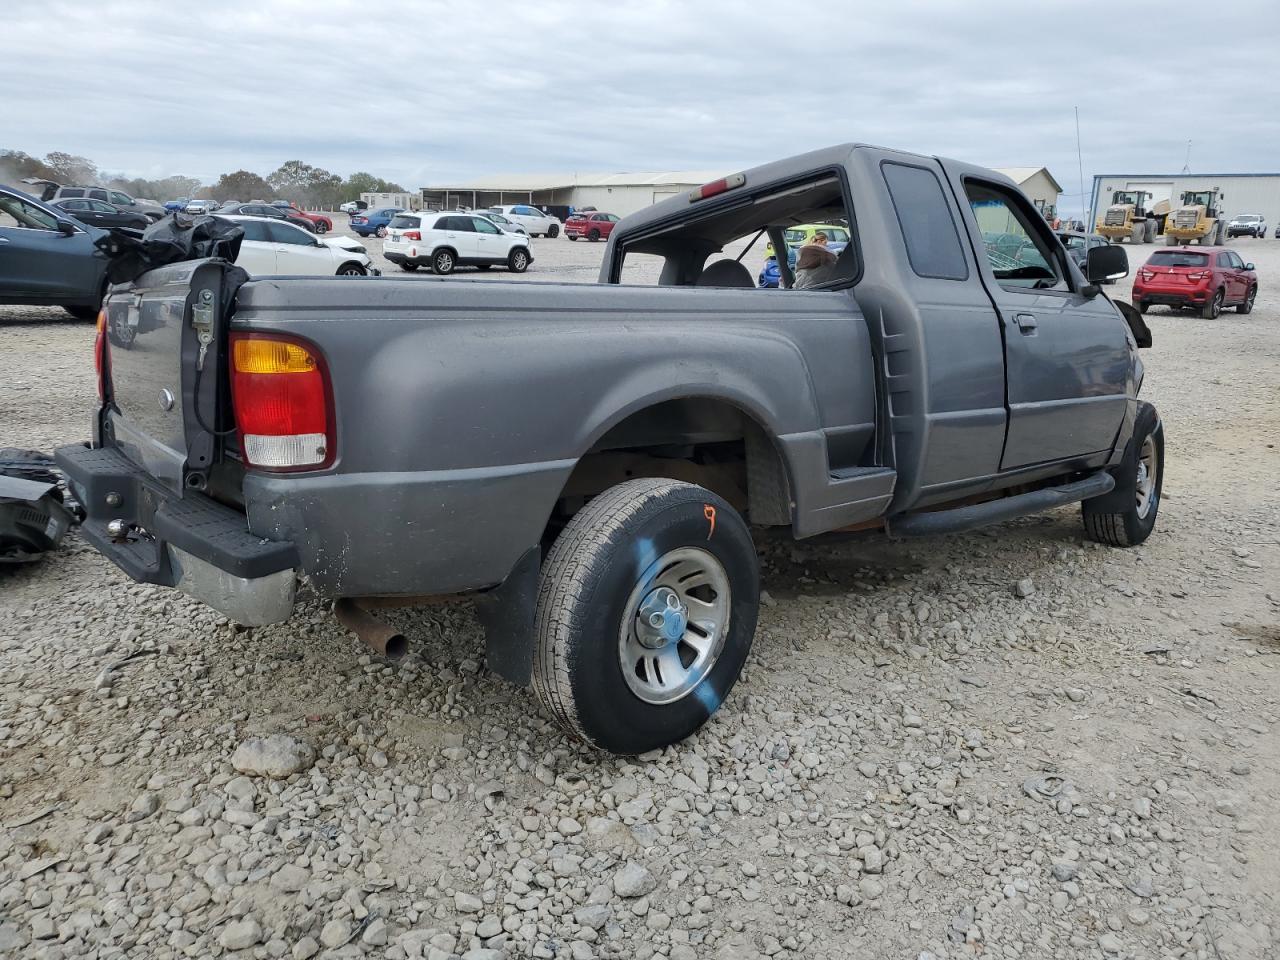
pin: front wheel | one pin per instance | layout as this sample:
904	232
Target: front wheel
1126	516
322	228
352	270
573	236
518	260
1213	308
645	614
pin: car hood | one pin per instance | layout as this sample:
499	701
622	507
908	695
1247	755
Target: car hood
342	243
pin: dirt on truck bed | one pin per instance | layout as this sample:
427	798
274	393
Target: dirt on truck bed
1006	743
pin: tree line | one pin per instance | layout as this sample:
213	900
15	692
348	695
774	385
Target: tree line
308	186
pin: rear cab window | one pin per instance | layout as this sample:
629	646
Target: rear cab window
731	244
928	228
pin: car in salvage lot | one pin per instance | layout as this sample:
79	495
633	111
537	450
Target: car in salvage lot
98	213
590	226
536	223
271	246
1247	225
447	240
372	440
373	222
48	258
1208	279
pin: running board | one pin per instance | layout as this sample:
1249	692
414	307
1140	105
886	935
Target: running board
927	523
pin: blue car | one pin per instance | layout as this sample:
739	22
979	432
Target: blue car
48	258
771	277
176	206
374	221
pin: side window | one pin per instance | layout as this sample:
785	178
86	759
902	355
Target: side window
254	230
121	198
933	243
461	224
19	213
1019	255
1235	260
72	192
285	233
98	194
614	219
481	225
1224	260
75	205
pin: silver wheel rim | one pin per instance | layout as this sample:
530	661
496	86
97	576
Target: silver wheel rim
520	261
444	262
1145	485
674	625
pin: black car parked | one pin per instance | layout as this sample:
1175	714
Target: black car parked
265	210
100	214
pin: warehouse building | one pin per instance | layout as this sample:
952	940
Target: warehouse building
1238	192
619	193
624	193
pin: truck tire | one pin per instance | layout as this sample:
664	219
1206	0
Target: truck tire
1212	309
682	557
1150	232
1170	241
1126	516
1138	232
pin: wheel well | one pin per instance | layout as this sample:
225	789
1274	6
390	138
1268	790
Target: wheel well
349	263
706	441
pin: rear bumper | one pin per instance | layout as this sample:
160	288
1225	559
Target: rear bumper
1170	297
190	542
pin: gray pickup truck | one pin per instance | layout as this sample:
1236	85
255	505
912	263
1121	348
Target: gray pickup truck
588	461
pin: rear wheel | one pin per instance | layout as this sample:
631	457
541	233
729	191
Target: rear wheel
408	267
645	614
381	232
573	237
83	313
593	234
1247	306
554	231
1138	232
1126	516
518	260
1213	308
1149	235
443	262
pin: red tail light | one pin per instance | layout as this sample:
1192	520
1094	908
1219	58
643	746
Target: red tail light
283	402
1199	275
413	235
1147	274
100	353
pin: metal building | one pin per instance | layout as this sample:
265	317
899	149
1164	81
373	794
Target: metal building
1238	192
619	193
624	193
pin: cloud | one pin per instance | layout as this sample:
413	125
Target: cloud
430	92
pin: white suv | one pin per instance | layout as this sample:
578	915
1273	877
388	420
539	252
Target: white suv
535	222
273	247
451	239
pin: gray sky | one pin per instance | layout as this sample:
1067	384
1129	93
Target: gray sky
426	91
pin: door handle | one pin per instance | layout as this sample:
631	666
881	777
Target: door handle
1026	322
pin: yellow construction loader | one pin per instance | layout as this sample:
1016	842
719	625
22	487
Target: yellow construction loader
1127	218
1198	217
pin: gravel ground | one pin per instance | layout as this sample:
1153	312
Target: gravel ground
883	782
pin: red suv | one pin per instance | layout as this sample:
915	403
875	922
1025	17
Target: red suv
1206	278
593	226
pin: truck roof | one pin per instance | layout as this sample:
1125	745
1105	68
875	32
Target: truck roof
779	171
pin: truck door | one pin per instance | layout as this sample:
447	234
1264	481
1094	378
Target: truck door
1066	355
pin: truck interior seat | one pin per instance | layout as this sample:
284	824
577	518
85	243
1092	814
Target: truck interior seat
725	273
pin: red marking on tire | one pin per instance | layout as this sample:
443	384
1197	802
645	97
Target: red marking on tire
709	512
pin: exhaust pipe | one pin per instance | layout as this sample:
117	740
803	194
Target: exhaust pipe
382	638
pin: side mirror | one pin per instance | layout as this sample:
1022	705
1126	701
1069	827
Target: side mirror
66	227
1106	263
1249	266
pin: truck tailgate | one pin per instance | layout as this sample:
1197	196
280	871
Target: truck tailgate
157	362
